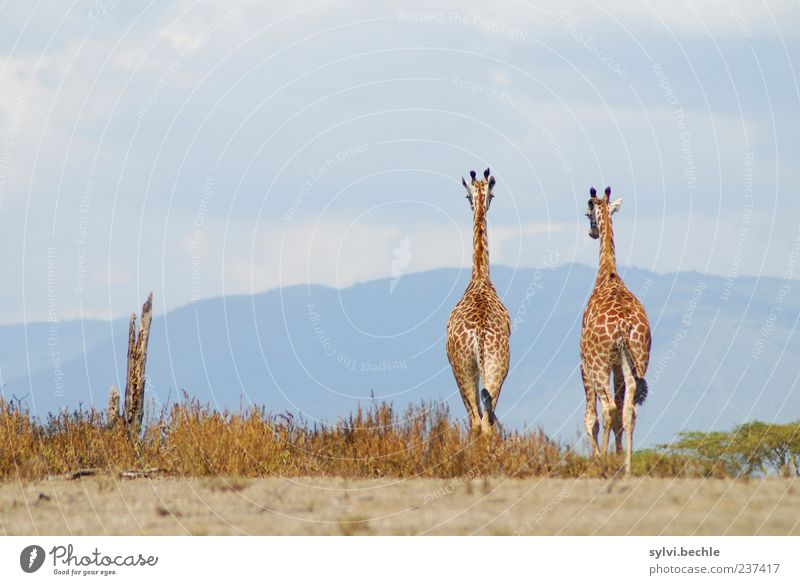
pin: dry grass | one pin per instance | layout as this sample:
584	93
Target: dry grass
194	440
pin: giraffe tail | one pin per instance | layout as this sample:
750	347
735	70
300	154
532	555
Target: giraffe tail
487	405
640	393
486	398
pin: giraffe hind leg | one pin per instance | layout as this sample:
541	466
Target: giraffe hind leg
629	409
493	373
609	408
590	417
489	419
640	394
619	400
473	404
600	385
467	380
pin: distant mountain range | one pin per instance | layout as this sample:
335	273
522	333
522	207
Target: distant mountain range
724	352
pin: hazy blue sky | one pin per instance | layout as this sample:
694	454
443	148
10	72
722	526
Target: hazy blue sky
206	148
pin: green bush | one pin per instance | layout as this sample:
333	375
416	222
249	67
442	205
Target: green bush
754	447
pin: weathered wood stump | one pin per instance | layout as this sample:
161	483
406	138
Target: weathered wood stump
112	413
137	357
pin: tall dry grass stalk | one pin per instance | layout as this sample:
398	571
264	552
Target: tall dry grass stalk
376	441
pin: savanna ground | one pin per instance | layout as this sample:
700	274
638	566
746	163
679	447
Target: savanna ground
198	471
491	506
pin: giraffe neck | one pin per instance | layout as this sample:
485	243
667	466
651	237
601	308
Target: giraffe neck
480	254
608	261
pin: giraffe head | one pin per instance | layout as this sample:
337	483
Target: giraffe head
479	192
600	210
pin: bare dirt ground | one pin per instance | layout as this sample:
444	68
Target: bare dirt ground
495	506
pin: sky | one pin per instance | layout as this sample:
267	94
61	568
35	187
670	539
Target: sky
198	149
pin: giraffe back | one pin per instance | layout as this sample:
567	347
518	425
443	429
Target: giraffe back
479	324
614	318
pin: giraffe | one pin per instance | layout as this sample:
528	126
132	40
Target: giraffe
615	338
479	326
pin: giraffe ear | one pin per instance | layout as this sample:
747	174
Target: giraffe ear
469	193
614	206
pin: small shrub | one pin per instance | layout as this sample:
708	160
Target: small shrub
751	448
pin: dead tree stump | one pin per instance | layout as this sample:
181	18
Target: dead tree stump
112	414
137	356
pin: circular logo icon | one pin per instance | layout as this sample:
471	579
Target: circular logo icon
31	558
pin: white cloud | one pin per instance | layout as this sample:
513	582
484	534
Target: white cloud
587	113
